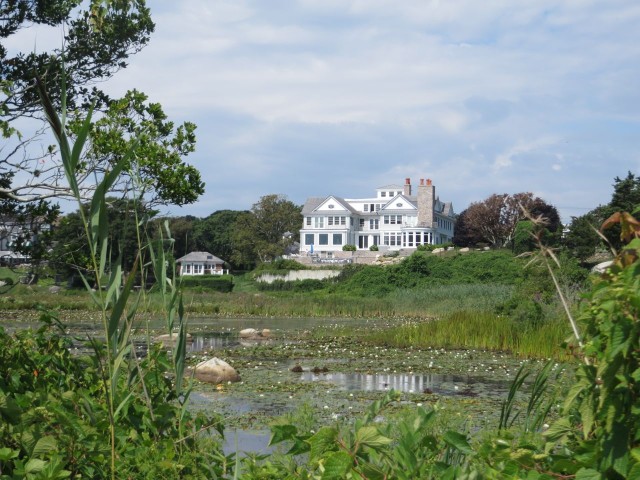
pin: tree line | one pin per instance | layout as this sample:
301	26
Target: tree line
505	220
242	238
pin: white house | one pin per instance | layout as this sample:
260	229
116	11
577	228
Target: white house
395	218
201	263
11	229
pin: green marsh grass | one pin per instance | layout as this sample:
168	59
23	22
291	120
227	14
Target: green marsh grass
477	330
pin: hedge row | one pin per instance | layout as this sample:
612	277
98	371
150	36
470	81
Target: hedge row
218	283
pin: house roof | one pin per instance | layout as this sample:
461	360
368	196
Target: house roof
199	257
314	202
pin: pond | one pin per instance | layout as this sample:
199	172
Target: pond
334	377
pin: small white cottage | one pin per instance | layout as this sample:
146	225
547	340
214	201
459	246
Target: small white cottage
201	263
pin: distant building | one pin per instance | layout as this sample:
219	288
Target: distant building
395	218
11	230
201	263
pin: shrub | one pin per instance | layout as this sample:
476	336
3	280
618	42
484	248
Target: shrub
217	283
348	248
373	248
280	265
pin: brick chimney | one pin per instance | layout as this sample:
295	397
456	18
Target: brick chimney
407	187
426	197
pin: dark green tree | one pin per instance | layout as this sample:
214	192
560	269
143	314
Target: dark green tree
582	240
260	234
70	254
214	234
182	232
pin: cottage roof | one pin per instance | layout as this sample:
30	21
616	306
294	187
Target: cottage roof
204	257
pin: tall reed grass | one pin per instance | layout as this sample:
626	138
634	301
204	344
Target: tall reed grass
478	330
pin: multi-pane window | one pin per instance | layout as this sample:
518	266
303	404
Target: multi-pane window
336	220
383	194
187	268
392	239
197	268
374	224
323	239
362	223
308	219
366	207
337	239
393	219
308	238
319	222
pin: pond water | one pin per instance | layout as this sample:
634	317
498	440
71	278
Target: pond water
357	372
463	385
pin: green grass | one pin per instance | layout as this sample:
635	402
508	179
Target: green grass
478	330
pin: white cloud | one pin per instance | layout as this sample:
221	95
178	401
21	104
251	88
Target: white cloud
342	95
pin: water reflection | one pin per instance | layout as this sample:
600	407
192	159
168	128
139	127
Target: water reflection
412	383
201	343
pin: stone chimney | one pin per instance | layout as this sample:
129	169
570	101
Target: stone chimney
426	197
407	187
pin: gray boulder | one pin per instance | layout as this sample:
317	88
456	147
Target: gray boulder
215	370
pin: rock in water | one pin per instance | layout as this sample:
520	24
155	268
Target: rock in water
249	333
216	371
169	340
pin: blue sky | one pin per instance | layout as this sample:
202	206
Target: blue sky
317	97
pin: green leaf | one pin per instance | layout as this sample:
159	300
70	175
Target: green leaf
634	473
370	436
280	433
323	441
7	454
588	474
35	465
336	466
44	445
458	441
559	429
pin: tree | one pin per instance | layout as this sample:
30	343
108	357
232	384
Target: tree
71	253
182	232
259	234
133	123
464	235
99	37
97	43
582	239
495	219
214	234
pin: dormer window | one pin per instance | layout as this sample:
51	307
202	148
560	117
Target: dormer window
383	194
